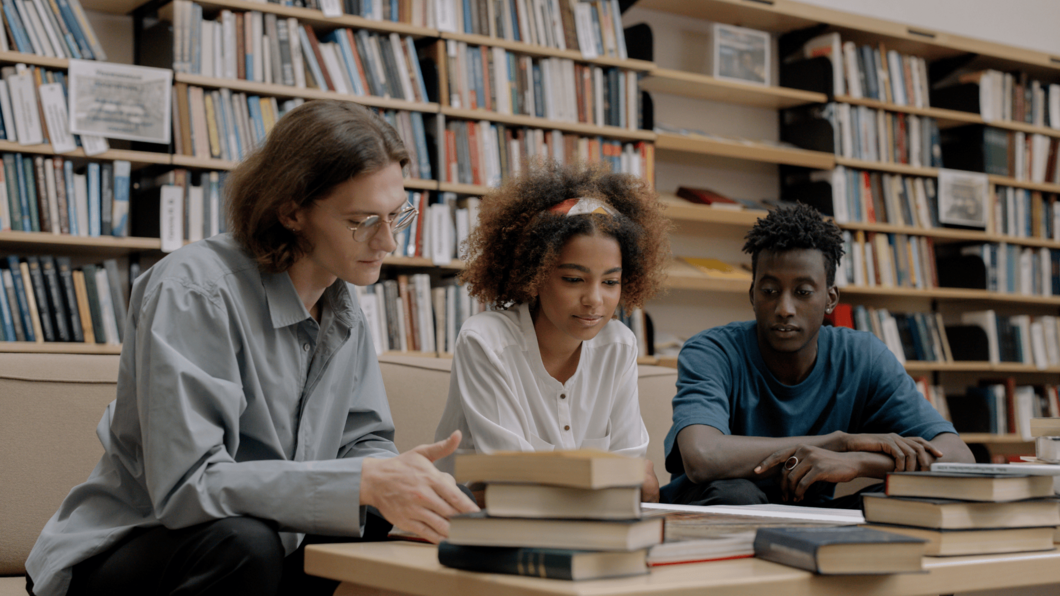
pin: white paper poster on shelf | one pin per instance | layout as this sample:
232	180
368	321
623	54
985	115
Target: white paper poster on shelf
119	101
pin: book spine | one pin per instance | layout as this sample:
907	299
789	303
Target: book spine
94	306
40	297
69	294
55	298
531	562
775	548
7	322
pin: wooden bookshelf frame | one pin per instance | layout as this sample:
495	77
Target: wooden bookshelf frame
287	91
947	118
464	189
95	245
137	158
700	86
16	57
57	347
539	51
610	132
667	144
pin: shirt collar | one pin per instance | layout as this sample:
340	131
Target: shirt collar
286	308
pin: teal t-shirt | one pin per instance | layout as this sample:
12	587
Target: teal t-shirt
856	386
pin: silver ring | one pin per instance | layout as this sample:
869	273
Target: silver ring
790	464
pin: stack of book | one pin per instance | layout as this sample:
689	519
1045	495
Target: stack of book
967	513
565	515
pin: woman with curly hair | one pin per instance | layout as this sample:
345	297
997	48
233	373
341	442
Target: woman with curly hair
557	250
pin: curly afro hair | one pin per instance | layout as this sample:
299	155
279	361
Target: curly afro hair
793	227
517	241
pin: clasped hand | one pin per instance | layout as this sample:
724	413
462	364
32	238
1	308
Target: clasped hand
414	495
803	465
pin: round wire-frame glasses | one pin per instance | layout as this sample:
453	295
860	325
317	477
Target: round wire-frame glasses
398	222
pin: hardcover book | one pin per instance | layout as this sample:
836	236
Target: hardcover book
479	529
951	543
969	487
541	501
551	563
951	514
840	551
582	468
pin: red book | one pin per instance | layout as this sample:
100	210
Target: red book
705	196
357	62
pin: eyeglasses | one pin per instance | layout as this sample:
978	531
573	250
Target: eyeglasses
398	222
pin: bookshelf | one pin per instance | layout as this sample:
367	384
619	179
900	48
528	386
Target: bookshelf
316	18
727	161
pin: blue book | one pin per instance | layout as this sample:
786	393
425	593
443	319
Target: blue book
120	223
468	28
538	90
29	207
419	132
231	118
13	201
75	29
18	32
7	323
515	19
196	38
417	75
343	42
311	59
254	105
20	296
94	201
71	199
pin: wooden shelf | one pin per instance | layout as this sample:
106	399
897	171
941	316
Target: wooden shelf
304	93
463	189
1007	181
420	184
203	163
788	15
420	262
680	210
316	18
545	51
944	117
995	439
675	144
34	59
612	132
100	245
57	347
138	158
699	86
882	166
978	367
951	294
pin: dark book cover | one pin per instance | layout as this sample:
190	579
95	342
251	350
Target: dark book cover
375	86
40	295
800	547
29	207
20	298
13	196
7	317
94	307
390	294
106	185
117	296
40	191
55	298
551	563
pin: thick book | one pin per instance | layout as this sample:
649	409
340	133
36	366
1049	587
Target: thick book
69	293
541	501
969	487
479	529
951	514
551	563
55	298
951	543
40	296
94	306
582	468
1046	427
840	551
705	196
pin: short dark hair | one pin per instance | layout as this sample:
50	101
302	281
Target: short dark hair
311	150
796	226
518	239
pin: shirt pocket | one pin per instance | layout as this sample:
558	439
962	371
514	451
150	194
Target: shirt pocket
540	444
603	443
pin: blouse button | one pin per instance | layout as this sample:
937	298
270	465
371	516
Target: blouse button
566	427
563	396
305	347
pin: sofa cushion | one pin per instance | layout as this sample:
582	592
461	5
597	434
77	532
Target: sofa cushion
51	404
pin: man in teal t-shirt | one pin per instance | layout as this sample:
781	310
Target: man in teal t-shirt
780	408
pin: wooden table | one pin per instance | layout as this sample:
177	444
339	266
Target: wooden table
412	568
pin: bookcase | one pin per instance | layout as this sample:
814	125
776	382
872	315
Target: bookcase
724	135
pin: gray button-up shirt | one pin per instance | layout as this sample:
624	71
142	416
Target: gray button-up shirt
232	401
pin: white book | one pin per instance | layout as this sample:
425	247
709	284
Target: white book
403	68
1038	345
218	61
1054	106
914	70
890	333
451	314
53	102
81	200
296	53
583	21
171	214
403	341
106	307
24	107
8	113
445	15
34	28
598	83
500	73
195	213
52	197
894	64
206	51
380	303
440	227
257	32
557	22
331	8
50	28
94	144
338	74
266	60
228	24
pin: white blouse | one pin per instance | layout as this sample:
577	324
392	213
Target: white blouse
502	398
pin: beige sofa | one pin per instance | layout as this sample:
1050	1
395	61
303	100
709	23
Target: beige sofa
50	405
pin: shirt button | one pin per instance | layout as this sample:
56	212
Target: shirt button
566	427
305	347
563	396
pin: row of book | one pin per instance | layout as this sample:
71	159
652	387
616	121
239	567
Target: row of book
969	509
1021	339
220	124
264	48
53	28
1023	213
441	228
485	153
593	27
875	197
869	134
873	72
554	88
34	110
1019	155
998	96
919	337
407	314
1000	406
45	194
887	260
179	206
44	299
1009	269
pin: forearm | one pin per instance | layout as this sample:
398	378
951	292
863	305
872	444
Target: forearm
953	449
709	455
871	464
